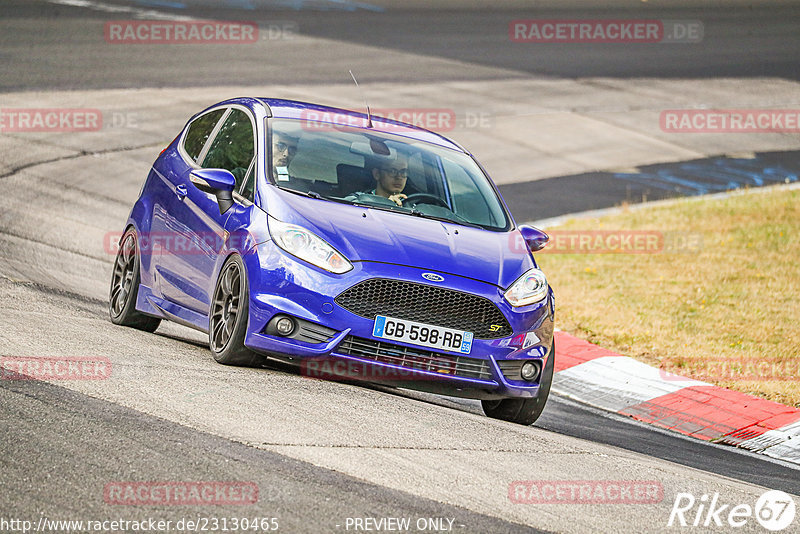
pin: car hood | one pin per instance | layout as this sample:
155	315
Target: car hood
367	234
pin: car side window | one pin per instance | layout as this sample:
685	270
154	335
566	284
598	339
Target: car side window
199	131
249	187
233	148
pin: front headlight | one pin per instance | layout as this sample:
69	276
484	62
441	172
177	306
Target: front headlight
529	288
299	242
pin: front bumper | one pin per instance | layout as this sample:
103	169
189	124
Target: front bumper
343	348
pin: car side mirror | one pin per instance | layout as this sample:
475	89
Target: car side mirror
218	182
534	238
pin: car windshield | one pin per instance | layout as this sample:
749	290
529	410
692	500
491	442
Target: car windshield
384	171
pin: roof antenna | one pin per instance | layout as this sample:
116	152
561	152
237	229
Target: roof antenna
364	96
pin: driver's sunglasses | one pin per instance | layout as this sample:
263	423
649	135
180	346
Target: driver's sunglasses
396	173
281	147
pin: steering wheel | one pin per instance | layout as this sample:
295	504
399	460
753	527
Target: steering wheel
416	198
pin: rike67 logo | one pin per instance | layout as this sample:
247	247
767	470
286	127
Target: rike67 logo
774	510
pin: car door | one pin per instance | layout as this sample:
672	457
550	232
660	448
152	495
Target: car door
199	228
167	226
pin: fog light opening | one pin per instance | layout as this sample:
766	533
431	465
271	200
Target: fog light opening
530	370
284	326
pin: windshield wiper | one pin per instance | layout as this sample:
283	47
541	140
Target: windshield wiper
460	220
312	194
417	213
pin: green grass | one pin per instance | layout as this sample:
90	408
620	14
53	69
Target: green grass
712	311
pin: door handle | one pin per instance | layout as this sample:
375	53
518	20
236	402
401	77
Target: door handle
181	191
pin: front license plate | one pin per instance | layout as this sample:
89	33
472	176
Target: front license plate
426	335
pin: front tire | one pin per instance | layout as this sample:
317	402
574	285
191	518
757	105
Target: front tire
125	287
524	411
228	317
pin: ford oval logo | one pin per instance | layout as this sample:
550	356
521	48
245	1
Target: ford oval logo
432	277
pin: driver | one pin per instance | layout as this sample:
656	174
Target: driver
284	148
390	178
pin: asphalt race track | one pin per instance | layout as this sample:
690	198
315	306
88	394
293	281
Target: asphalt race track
561	128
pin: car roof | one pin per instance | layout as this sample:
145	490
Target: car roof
294	109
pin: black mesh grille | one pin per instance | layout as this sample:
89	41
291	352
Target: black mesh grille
313	333
425	304
411	358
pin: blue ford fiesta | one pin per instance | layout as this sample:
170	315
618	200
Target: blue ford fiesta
356	247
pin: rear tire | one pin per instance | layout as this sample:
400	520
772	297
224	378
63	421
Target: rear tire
524	411
228	317
125	287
